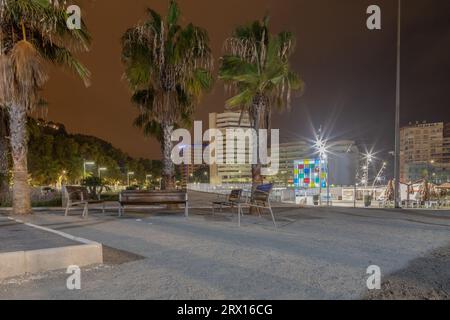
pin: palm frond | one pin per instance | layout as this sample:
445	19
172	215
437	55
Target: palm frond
29	74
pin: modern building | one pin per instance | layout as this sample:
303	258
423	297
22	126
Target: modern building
224	173
188	171
343	157
425	152
446	147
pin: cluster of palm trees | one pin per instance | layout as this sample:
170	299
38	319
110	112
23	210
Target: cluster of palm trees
168	66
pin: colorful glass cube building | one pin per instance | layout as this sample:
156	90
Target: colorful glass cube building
310	173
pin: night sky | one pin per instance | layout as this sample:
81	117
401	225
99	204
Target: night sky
349	71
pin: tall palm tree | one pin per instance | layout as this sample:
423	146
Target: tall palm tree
256	70
4	156
31	33
168	67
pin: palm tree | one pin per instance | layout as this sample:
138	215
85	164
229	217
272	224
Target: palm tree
168	68
4	156
255	68
31	32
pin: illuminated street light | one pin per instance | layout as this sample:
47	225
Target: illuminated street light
369	156
100	170
128	177
87	163
321	148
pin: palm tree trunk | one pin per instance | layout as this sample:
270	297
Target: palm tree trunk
259	105
19	151
4	158
168	167
4	168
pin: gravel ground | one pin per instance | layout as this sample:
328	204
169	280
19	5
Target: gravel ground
315	254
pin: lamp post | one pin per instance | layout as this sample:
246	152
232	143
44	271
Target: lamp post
128	177
147	177
100	170
397	112
86	163
321	148
369	157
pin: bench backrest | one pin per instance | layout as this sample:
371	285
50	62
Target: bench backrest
77	193
153	197
235	195
262	193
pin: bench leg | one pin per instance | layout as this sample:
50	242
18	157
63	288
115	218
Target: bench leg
273	218
66	213
85	211
121	210
259	212
239	216
103	208
186	210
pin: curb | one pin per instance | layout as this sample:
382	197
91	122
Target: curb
18	263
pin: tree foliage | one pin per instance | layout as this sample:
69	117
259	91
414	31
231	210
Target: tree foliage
54	155
168	67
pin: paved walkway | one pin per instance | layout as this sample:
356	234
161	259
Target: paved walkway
316	254
19	237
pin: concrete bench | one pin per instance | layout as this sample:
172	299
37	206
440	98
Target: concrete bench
151	198
76	195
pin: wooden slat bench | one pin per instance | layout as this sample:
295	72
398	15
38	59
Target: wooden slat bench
232	201
151	198
260	200
76	195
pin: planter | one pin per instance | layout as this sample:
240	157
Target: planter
367	201
316	200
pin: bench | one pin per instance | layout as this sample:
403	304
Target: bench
76	195
259	200
151	198
232	201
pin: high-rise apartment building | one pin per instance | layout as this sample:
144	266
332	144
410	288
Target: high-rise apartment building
224	173
424	152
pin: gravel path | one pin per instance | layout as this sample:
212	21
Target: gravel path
316	254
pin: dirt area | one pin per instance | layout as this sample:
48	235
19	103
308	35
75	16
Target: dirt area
426	278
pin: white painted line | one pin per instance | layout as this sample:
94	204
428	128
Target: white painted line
62	234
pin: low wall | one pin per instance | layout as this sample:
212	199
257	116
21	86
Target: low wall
18	263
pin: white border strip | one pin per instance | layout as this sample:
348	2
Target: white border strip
62	234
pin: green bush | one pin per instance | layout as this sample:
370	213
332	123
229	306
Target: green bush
110	197
54	203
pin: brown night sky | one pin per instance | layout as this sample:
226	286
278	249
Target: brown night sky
349	71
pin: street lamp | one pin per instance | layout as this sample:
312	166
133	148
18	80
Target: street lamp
128	177
87	163
321	148
397	111
100	170
369	157
147	177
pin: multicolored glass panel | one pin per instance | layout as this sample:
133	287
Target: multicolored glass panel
310	173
